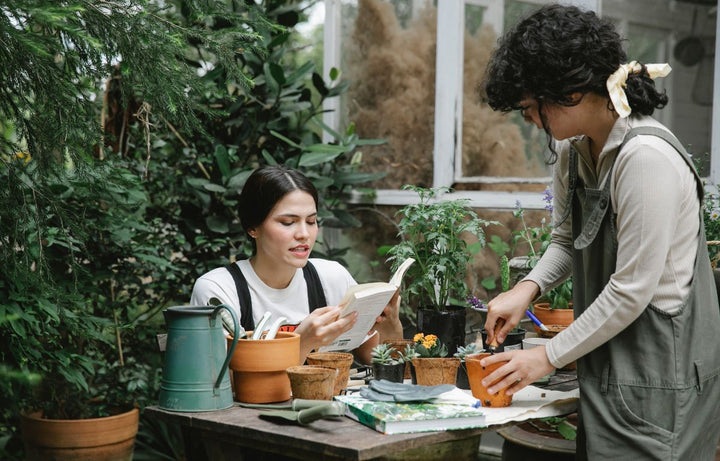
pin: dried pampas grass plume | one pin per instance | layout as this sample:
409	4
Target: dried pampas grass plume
392	96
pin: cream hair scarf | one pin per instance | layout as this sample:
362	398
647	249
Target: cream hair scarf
616	83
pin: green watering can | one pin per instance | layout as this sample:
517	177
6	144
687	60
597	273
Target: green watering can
195	374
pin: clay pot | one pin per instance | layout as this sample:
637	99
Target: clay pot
399	346
110	438
436	370
312	382
555	317
341	361
476	373
258	367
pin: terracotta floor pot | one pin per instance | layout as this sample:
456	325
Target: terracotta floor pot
313	382
111	438
436	370
259	366
341	361
399	346
476	373
556	317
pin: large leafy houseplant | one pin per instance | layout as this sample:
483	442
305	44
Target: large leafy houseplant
434	232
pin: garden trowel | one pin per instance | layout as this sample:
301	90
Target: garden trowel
301	411
494	344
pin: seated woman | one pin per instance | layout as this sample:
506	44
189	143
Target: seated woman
278	210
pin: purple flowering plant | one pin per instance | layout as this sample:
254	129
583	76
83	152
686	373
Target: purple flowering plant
532	241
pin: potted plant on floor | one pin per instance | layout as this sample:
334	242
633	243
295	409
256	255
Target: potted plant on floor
386	367
73	326
434	232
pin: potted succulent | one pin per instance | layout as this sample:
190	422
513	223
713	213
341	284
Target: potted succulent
430	362
385	366
433	232
462	376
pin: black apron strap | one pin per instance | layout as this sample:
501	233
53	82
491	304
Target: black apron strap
316	295
246	318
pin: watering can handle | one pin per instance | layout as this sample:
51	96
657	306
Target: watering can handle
231	350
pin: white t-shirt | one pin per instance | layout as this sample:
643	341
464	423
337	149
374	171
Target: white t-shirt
290	302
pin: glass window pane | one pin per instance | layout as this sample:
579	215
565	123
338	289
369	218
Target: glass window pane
389	58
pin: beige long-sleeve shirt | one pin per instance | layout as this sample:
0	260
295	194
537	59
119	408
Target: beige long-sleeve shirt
653	193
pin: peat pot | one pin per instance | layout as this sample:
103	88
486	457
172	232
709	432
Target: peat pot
312	382
111	438
432	371
341	361
258	367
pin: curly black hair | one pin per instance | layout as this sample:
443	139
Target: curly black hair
557	51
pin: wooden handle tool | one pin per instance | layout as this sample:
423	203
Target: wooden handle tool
494	344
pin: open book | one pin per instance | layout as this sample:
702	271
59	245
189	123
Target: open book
369	300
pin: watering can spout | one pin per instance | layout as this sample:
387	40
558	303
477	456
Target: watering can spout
195	376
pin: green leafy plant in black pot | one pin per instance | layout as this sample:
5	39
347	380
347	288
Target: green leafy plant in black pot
435	232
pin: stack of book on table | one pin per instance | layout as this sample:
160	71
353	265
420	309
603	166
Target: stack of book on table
456	410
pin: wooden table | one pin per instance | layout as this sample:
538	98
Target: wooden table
240	434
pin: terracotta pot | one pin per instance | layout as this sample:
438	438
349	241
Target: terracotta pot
313	382
476	373
341	361
436	370
555	317
111	438
399	346
259	366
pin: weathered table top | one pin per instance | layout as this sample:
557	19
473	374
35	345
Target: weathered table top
332	438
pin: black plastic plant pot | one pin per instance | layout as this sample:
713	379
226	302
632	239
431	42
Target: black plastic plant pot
447	325
462	381
512	342
394	373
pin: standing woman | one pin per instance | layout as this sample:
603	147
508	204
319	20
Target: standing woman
278	211
628	228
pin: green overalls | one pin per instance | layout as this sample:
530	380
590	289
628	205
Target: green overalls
652	391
